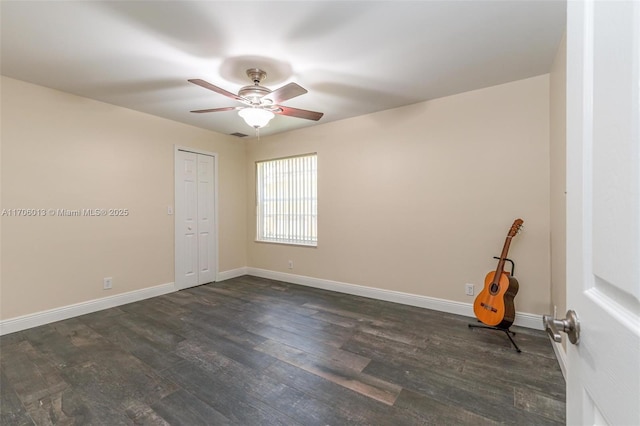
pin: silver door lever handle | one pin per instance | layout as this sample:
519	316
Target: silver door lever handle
569	325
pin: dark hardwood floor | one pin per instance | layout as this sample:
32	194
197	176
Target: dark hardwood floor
252	351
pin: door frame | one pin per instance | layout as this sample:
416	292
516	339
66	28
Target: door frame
177	148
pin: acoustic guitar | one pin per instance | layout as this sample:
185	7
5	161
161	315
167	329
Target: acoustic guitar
494	304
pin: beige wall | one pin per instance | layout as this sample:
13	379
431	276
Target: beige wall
66	152
418	199
557	110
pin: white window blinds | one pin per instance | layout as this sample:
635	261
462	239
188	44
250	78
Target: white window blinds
287	200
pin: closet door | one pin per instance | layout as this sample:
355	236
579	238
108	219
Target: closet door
195	225
206	245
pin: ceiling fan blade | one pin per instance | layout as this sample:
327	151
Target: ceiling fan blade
217	89
299	113
217	109
288	91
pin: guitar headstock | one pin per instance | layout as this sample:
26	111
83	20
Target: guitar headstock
516	227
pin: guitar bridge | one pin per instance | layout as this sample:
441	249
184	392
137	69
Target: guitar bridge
488	307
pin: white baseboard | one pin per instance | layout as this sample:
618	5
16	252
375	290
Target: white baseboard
561	356
232	273
24	322
460	308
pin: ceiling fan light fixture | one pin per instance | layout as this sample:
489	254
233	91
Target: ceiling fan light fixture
261	103
256	117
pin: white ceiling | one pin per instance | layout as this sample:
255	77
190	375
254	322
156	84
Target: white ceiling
354	57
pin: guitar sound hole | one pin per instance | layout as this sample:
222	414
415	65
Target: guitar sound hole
494	288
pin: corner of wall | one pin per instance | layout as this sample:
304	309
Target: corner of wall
557	205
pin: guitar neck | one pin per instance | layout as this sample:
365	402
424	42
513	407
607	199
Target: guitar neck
503	257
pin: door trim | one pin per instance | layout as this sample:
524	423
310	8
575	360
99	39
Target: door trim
177	148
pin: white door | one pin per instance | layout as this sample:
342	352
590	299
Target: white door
195	260
603	211
206	236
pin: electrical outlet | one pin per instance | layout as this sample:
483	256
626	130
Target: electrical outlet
291	264
469	289
107	283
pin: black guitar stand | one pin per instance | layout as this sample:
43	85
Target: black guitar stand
506	331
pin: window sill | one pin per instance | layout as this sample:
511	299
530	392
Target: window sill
282	243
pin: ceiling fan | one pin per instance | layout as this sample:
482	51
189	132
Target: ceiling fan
260	102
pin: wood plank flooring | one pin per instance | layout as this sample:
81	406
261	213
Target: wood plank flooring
252	351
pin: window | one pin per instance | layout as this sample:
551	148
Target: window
287	200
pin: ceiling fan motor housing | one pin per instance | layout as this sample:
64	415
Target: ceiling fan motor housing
254	92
